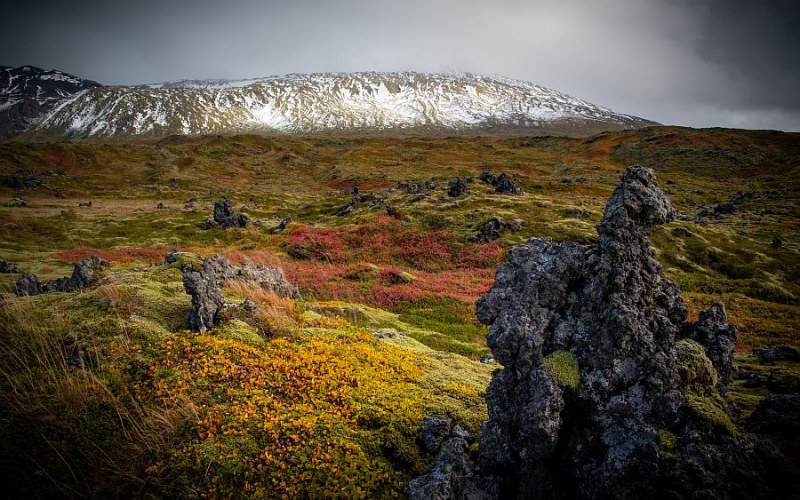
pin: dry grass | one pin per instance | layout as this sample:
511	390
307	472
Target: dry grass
278	314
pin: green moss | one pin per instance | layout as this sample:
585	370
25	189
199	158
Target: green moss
710	407
693	364
667	439
563	367
457	384
239	330
183	258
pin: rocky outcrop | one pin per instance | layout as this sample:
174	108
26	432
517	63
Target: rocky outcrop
453	474
225	217
503	183
718	337
7	267
281	225
457	187
416	187
84	274
772	353
355	200
204	281
606	391
492	228
777	413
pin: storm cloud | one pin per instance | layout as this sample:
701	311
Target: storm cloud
702	63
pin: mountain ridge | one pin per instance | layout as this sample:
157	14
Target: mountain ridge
28	93
370	102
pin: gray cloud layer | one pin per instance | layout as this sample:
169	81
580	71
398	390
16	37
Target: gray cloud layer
698	63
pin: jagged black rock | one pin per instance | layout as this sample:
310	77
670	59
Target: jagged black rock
84	274
205	287
605	390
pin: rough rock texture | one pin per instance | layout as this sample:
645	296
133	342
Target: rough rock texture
777	413
205	287
505	184
225	217
83	274
453	474
771	353
502	183
488	178
434	431
355	200
491	229
457	187
28	284
416	188
718	337
7	267
594	399
281	225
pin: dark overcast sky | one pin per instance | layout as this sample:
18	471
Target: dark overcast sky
729	63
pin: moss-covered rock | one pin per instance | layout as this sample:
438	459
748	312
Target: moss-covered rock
667	439
180	259
711	408
693	364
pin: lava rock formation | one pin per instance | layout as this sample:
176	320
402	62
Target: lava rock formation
84	274
225	217
606	391
204	284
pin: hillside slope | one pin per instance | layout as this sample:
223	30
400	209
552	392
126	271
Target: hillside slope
27	93
362	102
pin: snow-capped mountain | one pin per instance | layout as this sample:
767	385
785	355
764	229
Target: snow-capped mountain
324	102
27	93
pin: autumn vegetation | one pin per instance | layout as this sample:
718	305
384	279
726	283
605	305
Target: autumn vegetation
104	392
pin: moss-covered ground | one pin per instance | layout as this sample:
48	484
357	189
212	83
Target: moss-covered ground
104	391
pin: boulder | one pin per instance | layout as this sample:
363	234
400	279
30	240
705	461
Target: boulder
281	225
225	217
434	431
28	284
718	337
492	228
453	474
772	353
505	184
457	187
488	178
777	413
724	209
205	287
